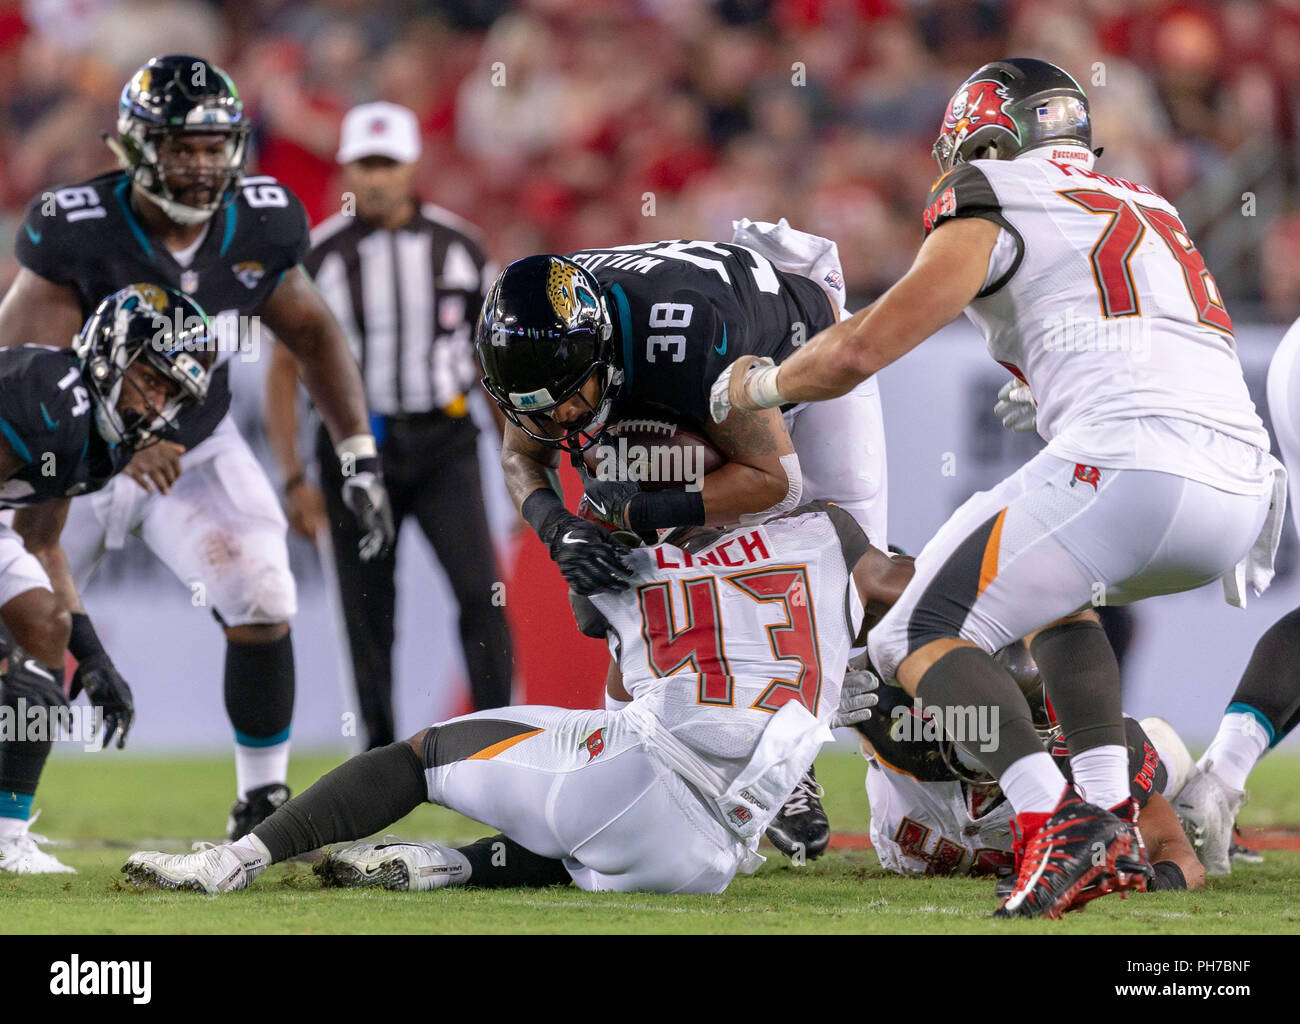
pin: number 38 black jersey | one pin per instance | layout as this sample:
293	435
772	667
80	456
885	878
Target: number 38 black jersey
685	310
89	238
47	418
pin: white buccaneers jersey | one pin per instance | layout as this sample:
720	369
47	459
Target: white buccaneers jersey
714	640
1097	297
931	828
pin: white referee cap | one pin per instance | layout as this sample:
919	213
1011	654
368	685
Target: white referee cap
379	129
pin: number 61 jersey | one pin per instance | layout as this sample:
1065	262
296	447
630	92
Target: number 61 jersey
1098	298
715	639
89	238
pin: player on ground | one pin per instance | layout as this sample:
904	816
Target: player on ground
1156	477
732	646
569	345
69	420
933	811
180	213
1265	707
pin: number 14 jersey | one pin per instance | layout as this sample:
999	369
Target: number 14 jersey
1099	299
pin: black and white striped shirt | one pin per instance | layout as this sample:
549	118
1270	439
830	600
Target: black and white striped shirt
408	301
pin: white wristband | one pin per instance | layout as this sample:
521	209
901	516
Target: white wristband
762	389
359	446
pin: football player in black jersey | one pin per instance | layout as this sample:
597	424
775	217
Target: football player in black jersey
180	213
70	418
570	344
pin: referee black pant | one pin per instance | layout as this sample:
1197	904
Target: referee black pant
431	471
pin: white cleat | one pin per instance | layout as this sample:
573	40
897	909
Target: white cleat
403	867
211	870
1208	810
20	853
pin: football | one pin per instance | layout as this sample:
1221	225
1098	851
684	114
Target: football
648	447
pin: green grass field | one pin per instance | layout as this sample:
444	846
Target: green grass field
101	808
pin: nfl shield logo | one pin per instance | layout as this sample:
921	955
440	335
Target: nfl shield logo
189	280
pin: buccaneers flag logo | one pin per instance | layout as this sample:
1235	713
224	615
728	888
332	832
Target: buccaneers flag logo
976	105
594	744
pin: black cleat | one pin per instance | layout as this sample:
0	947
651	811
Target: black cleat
801	829
1081	852
262	802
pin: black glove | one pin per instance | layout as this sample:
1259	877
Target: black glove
107	690
367	499
589	559
605	501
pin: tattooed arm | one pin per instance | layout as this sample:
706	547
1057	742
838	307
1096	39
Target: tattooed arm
527	464
753	478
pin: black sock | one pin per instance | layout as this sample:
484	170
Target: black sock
1271	682
259	689
967	678
1081	679
497	862
23	760
358	798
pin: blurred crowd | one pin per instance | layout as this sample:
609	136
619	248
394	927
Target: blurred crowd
557	124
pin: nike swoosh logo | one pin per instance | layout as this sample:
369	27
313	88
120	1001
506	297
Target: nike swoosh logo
35	236
51	424
723	350
600	509
37	669
570	539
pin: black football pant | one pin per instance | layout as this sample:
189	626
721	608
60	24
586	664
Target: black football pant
431	471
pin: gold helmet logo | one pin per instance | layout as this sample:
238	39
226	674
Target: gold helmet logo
153	295
566	292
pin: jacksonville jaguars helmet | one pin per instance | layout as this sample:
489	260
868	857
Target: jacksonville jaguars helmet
173	96
1009	107
544	331
166	329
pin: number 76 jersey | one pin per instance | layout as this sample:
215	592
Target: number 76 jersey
715	639
1097	297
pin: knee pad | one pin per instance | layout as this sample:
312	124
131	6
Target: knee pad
268	597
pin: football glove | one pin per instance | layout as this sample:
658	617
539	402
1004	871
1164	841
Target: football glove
589	559
1016	407
107	690
605	502
857	696
367	499
748	383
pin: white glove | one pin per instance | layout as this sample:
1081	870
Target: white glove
1016	407
754	387
857	698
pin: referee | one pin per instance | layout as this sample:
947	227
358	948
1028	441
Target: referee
406	281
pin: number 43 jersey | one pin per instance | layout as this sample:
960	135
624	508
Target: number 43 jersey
89	238
686	309
1099	299
714	639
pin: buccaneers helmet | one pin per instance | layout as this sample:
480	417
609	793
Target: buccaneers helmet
166	329
544	331
180	95
1009	107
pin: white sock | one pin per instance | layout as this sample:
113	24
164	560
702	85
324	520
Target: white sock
253	853
1033	784
10	827
260	766
1101	775
1238	745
